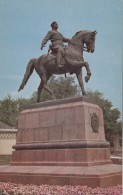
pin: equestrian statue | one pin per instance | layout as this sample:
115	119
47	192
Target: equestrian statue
61	59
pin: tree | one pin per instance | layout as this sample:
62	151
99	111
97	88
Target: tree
62	88
112	122
10	109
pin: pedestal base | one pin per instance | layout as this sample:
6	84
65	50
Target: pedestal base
68	132
62	142
93	176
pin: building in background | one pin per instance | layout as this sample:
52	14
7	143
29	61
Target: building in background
7	138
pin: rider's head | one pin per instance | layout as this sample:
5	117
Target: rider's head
54	25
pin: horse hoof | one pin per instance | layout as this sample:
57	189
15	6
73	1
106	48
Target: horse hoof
85	94
53	97
86	79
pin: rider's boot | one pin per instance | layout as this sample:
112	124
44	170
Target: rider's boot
59	59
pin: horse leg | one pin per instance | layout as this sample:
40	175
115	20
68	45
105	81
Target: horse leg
40	90
48	89
79	77
86	65
42	85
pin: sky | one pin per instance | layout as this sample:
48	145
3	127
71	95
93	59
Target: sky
23	25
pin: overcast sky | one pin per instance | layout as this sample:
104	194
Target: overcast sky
23	25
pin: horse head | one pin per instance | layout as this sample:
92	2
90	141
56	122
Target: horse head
89	40
84	37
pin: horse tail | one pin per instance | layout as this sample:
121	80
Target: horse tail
29	71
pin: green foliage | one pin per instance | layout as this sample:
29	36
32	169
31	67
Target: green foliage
112	124
61	87
10	108
5	159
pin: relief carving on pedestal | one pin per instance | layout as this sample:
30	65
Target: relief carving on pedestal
95	122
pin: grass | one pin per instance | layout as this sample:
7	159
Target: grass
5	159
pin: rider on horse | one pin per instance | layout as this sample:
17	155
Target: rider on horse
57	40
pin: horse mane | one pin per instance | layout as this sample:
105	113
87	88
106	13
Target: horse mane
80	33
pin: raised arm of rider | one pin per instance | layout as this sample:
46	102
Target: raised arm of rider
46	39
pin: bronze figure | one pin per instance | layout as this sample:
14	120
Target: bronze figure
72	62
57	45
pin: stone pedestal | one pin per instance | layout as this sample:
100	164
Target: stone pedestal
62	142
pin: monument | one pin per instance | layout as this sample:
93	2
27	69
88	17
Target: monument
62	142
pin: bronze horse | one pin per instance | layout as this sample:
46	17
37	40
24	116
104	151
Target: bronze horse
72	60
